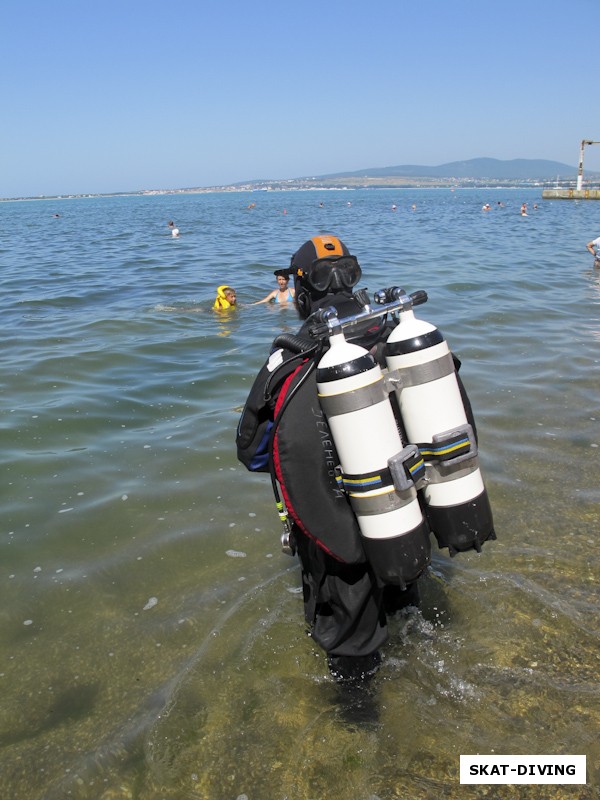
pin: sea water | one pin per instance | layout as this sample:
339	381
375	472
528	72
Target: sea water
152	642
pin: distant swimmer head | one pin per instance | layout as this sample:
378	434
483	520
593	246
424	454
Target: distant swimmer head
226	297
323	266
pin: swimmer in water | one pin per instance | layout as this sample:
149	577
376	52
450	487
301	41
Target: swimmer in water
283	294
225	298
594	249
174	229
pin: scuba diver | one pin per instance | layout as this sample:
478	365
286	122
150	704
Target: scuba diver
318	419
226	298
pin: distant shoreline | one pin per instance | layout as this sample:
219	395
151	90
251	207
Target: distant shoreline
337	184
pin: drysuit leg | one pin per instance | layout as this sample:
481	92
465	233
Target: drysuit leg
342	602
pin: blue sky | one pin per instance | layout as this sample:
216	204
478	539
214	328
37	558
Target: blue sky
138	94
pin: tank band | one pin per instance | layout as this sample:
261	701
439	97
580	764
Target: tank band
404	470
407	467
401	348
367	481
424	373
345	370
440	472
451	447
369	505
346	402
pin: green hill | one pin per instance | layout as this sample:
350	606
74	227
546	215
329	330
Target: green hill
478	168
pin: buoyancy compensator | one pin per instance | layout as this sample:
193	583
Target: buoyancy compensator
282	429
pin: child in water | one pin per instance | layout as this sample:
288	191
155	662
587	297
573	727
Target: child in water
225	298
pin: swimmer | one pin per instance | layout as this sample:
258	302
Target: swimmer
283	294
174	229
486	207
394	207
524	210
594	248
225	298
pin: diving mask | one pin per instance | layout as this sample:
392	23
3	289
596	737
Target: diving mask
343	272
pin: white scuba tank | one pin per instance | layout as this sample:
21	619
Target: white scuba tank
366	436
434	418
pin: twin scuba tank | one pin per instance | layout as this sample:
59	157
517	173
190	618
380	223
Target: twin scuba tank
400	490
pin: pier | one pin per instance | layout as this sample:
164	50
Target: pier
571	194
579	193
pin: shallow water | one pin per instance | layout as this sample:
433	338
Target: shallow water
152	637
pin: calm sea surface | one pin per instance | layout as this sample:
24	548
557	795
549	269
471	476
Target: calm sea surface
152	642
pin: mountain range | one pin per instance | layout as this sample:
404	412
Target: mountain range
479	168
470	173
